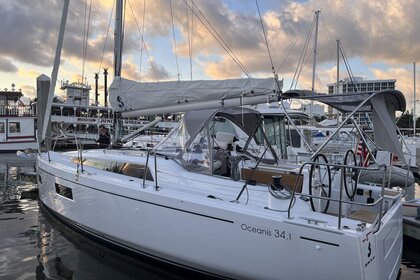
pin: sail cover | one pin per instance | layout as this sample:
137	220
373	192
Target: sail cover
127	95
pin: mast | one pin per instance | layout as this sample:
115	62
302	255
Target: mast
55	69
314	64
337	88
414	105
337	85
118	38
118	46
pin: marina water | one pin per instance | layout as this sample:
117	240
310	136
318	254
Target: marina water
35	245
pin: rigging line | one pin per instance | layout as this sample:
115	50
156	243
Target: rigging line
84	37
192	39
106	37
302	56
226	46
86	43
173	33
305	46
347	64
265	38
144	44
189	38
141	50
218	38
287	55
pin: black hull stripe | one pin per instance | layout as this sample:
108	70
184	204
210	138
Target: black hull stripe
320	241
120	246
143	201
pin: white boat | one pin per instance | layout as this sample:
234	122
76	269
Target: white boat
17	122
172	208
209	197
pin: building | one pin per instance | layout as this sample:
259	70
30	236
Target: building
314	110
358	85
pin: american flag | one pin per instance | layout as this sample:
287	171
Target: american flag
362	152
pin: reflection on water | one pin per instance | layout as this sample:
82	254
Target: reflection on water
35	245
66	254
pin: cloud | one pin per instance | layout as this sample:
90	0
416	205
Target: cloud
6	65
29	91
375	31
404	82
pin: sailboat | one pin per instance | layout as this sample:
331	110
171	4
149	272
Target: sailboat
213	197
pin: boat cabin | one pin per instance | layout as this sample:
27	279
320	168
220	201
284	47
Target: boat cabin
17	122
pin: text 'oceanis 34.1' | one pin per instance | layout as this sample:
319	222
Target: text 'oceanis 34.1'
214	198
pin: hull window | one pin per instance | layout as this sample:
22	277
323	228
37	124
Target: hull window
64	191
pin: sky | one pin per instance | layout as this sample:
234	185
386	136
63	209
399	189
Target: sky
380	39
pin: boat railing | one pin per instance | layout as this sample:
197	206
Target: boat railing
340	200
146	168
16	111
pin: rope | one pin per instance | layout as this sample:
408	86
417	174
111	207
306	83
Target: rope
265	38
106	38
85	38
173	33
144	44
302	57
190	37
218	38
287	55
142	29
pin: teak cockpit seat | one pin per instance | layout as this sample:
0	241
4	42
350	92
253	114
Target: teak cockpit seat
288	179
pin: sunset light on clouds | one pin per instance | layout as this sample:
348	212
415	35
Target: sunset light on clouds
380	38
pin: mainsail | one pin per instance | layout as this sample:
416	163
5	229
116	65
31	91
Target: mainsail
132	98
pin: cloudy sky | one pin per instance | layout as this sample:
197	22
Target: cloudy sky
380	38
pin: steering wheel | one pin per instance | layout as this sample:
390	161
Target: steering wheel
349	173
320	183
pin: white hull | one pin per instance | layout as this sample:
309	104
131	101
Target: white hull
218	236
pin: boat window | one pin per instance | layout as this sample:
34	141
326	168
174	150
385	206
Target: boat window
295	137
1	127
275	131
128	169
14	127
63	191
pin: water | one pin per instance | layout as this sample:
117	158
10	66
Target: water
35	245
